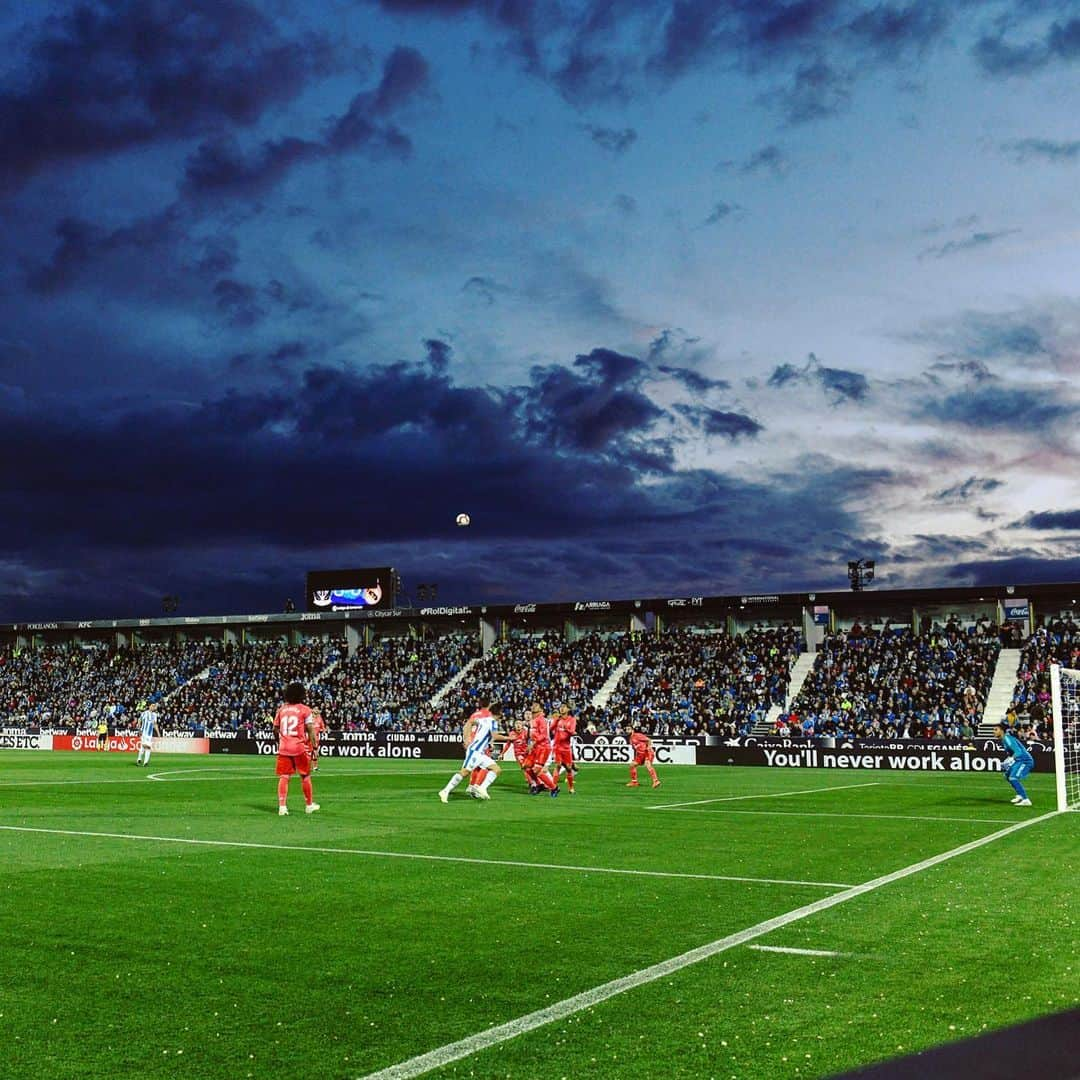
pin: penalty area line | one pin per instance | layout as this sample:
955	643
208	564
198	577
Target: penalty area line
771	795
250	844
484	1040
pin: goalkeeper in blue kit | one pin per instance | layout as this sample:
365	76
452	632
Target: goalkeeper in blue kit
1017	765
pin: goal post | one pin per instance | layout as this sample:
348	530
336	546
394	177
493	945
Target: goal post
1065	702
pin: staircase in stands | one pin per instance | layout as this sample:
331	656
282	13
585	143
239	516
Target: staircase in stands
800	669
999	696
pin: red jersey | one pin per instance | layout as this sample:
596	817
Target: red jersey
640	742
291	725
563	730
539	731
520	743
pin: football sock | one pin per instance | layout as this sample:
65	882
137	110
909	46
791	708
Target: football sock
1018	787
570	779
305	783
545	778
489	779
146	758
478	776
474	777
282	790
452	782
652	772
633	772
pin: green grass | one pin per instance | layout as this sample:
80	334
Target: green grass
146	958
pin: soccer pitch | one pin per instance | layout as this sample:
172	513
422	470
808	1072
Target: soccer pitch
166	922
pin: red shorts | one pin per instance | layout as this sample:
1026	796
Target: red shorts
564	755
287	764
649	755
538	756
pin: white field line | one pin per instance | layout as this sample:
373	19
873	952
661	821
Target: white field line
235	775
839	814
796	952
771	795
493	1036
424	858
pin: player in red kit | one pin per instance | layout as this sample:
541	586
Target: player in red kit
540	750
644	754
563	730
519	740
295	730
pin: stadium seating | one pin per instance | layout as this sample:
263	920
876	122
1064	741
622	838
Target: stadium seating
686	683
1058	643
391	683
72	688
894	684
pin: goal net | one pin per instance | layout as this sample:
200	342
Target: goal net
1065	698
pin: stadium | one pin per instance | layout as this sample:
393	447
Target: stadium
819	882
539	539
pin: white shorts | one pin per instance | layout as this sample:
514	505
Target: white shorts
145	743
478	759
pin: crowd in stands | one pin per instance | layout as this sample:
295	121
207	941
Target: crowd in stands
547	669
884	683
71	688
687	683
1055	643
243	686
891	683
390	684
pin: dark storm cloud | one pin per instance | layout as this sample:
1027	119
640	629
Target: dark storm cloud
966	490
1003	58
1034	567
486	288
975	370
223	470
838	383
221	166
769	159
973	242
438	354
1067	520
1035	411
81	243
1059	152
730	425
694	381
721	211
592	406
617	141
844	385
816	90
890	31
785	374
592	52
103	80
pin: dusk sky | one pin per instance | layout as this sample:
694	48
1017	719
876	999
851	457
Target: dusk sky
672	296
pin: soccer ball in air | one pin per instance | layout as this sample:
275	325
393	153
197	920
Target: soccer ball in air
463	520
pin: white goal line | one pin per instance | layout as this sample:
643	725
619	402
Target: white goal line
484	1040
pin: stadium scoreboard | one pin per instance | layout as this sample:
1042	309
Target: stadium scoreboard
351	590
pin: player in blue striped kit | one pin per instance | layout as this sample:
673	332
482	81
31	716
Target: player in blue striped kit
1017	765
